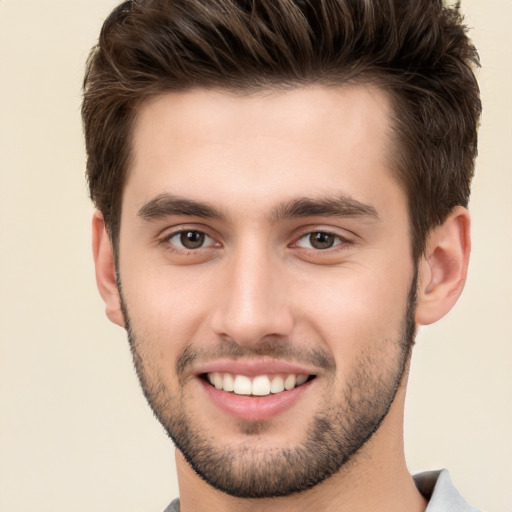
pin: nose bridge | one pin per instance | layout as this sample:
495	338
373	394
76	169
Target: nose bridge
252	305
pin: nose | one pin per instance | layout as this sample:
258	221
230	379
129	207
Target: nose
253	305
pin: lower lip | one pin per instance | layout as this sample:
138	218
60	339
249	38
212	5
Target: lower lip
255	408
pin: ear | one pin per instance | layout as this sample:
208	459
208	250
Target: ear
443	267
105	266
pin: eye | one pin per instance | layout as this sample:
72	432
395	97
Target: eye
319	240
190	239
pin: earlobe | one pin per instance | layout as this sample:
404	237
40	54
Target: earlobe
105	267
443	268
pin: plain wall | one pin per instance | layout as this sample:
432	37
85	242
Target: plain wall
75	432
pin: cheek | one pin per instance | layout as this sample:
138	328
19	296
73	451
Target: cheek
166	305
354	312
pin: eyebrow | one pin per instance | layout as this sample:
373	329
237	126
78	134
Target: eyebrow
337	206
167	205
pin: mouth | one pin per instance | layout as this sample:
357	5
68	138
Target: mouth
255	390
258	385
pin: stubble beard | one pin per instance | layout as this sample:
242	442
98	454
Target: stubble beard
335	434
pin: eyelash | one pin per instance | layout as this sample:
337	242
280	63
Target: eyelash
340	239
173	246
340	242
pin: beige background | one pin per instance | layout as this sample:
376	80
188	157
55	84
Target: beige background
75	432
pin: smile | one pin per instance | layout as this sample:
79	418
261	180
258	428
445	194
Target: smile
260	385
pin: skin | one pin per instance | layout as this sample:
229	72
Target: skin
258	283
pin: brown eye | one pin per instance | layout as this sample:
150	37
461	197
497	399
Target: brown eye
321	240
190	239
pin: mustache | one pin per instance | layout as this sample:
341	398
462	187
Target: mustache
271	347
275	349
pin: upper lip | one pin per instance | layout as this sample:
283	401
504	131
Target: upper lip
253	368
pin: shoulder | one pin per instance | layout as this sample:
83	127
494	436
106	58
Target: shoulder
438	488
174	506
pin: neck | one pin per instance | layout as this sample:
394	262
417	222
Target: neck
376	478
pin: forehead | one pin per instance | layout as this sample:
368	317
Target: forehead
261	148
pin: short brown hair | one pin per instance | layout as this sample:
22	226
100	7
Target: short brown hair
417	50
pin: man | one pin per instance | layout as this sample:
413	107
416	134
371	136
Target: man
281	191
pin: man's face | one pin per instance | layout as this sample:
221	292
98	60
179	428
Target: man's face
267	280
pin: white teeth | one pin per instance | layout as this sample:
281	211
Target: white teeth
229	383
290	382
242	385
218	381
277	385
261	385
301	379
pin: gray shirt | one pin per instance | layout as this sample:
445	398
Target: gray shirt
438	489
436	486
